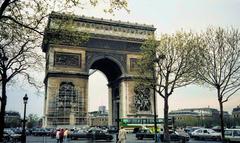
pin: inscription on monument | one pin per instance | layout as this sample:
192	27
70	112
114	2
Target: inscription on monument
67	59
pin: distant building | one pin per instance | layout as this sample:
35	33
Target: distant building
236	112
183	115
196	112
12	119
9	115
98	118
226	114
102	109
194	116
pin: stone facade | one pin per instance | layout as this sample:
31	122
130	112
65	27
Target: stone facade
112	47
236	112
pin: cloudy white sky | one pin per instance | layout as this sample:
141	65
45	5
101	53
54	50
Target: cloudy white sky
167	16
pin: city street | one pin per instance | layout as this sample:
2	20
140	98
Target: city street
130	139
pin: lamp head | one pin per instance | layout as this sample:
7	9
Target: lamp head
25	99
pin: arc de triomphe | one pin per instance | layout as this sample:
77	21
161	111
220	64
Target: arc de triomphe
112	47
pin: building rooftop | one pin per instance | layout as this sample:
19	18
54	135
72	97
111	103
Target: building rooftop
236	109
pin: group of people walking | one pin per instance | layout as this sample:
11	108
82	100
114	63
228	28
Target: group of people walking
62	135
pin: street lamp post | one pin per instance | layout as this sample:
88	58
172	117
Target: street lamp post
25	99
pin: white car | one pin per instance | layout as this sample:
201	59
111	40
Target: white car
206	134
232	135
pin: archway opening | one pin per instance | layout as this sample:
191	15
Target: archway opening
112	72
98	91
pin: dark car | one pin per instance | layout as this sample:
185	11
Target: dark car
174	136
99	135
41	132
77	134
179	136
144	134
91	135
112	130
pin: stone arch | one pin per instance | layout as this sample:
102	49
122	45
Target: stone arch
111	62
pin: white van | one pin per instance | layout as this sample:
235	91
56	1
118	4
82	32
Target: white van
232	135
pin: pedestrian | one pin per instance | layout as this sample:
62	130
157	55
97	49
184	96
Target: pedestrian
58	135
122	135
66	135
61	134
158	137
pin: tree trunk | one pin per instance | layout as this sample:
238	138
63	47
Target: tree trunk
3	106
166	129
221	113
221	119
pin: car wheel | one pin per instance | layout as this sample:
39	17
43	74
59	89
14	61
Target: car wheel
227	141
196	138
218	139
183	140
139	138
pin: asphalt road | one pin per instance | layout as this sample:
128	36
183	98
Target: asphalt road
130	139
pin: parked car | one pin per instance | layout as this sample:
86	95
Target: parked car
174	136
77	134
99	135
232	135
144	134
11	136
185	136
93	134
41	132
6	136
217	128
112	129
205	134
189	130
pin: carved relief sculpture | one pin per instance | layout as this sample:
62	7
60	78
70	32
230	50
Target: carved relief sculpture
142	99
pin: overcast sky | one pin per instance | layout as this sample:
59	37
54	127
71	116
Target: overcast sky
167	16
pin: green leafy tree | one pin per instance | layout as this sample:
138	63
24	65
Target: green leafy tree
32	120
22	24
166	65
218	64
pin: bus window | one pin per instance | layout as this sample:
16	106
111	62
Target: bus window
139	121
144	121
125	120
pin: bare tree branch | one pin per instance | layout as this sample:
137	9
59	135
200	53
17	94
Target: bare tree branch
21	24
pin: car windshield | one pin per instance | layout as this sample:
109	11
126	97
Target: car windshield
211	131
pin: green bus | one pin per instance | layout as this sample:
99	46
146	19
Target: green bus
132	124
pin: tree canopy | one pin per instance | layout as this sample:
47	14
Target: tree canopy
166	64
217	64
